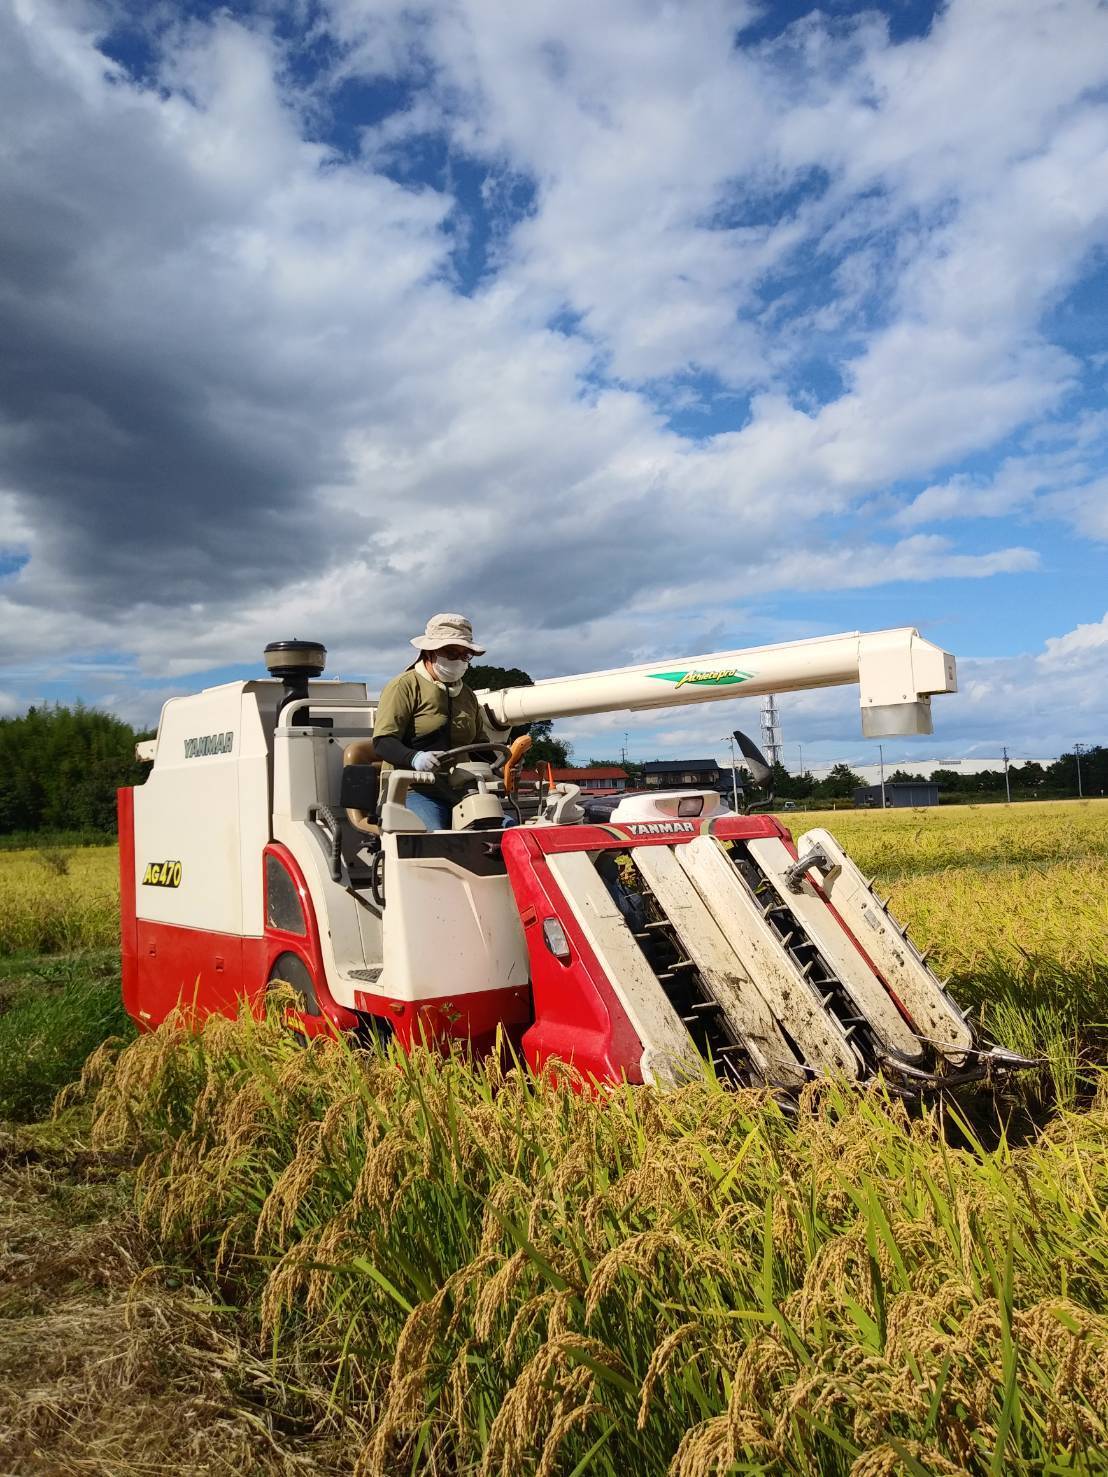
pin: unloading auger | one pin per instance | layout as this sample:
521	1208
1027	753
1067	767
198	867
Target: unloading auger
266	846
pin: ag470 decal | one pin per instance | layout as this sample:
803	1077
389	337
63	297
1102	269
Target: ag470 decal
162	874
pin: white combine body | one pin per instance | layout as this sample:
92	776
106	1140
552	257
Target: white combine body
264	847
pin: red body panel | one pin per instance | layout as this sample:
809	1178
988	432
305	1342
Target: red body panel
278	941
473	1017
128	938
165	965
578	1015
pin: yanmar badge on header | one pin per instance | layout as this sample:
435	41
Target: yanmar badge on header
658	828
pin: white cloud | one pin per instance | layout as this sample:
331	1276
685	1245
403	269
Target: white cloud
1058	477
244	394
1076	648
1085	507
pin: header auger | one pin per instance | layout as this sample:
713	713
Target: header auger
266	845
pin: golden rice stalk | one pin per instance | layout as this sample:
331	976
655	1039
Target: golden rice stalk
279	1209
526	1319
497	1293
411	1364
902	1458
638	1256
468	1281
282	1284
506	1195
559	1430
1072	1342
531	1405
235	1230
96	1068
659	1362
382	1173
764	1365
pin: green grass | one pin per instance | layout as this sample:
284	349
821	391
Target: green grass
53	1013
54	900
34	840
467	1272
474	1272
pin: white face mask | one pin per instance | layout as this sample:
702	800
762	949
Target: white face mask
449	671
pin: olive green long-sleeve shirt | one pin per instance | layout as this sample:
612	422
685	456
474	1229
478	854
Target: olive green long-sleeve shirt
414	712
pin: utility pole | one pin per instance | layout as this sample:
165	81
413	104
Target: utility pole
1078	750
734	773
1007	786
881	752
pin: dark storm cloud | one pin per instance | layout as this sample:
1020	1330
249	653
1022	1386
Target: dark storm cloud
134	489
241	395
110	438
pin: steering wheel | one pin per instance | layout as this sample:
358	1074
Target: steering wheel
450	757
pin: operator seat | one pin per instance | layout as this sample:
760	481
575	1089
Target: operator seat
361	785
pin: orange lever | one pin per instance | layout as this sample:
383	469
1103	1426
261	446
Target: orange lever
515	758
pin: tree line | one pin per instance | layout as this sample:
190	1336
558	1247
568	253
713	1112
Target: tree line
60	768
1030	781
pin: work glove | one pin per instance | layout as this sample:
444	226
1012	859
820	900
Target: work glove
426	759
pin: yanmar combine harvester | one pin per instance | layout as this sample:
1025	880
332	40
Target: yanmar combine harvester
267	845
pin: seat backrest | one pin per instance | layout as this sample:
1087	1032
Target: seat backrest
361	782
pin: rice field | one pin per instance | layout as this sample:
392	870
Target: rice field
465	1271
59	900
450	1270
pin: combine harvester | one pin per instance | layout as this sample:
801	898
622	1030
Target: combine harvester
267	845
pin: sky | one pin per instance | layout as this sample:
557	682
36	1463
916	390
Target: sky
631	331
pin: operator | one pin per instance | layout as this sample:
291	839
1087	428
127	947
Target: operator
428	709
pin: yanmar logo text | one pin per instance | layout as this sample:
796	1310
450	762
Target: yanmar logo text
209	743
659	828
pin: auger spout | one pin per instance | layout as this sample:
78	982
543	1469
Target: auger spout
898	672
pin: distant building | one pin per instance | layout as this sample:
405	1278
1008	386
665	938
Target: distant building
674	774
898	794
601	778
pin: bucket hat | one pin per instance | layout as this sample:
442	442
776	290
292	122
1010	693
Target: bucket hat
447	630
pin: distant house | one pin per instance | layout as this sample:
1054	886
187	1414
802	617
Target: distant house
898	795
675	774
601	778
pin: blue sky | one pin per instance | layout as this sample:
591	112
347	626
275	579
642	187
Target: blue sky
633	332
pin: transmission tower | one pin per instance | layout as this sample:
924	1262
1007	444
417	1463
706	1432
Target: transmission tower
771	730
